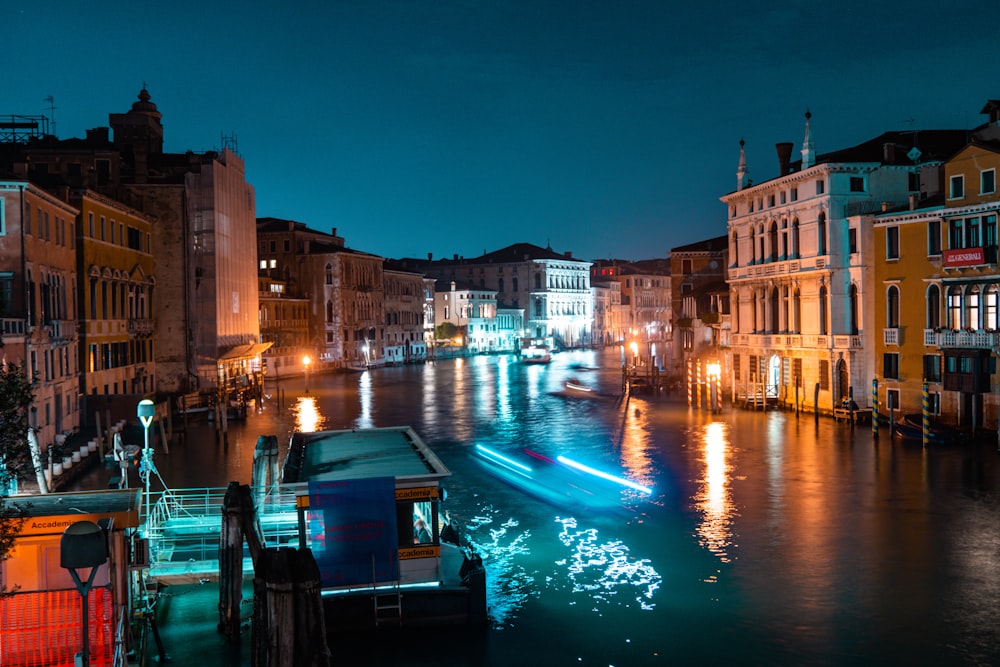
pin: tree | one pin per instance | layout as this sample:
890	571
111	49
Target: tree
16	397
446	331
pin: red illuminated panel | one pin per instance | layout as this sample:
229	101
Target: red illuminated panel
44	629
964	257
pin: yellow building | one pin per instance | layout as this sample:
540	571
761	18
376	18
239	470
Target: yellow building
938	300
115	288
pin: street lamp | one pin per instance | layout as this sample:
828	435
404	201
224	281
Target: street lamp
83	545
714	372
305	362
145	410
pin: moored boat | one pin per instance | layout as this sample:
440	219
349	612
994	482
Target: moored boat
370	510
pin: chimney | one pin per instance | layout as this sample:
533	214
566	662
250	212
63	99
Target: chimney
889	153
913	201
569	254
455	257
784	157
430	257
333	233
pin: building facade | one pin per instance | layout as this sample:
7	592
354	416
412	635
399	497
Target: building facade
403	302
939	292
38	279
797	276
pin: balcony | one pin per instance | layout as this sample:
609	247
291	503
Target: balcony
890	336
961	339
799	341
140	327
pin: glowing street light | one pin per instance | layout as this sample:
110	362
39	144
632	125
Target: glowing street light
714	372
305	362
145	411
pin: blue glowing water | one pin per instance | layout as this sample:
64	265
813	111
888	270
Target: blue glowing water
767	538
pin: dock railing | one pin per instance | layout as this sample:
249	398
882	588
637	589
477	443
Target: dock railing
184	525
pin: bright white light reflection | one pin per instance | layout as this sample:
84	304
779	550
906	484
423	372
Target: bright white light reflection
713	499
364	420
603	569
502	545
500	458
307	416
603	475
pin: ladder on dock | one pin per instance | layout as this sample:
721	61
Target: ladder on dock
388	603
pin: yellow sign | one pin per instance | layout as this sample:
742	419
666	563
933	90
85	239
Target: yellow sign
419	493
421	551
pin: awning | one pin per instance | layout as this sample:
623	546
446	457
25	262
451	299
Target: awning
248	351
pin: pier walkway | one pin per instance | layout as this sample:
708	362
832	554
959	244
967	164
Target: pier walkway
183	529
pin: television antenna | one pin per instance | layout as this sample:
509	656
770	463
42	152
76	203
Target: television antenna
52	111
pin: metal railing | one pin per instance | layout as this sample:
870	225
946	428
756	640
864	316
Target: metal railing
184	526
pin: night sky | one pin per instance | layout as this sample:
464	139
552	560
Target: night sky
608	129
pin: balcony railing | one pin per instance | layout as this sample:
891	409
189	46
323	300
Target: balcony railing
800	341
964	339
890	336
140	327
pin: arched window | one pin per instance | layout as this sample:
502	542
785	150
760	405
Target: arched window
990	308
773	241
821	234
793	251
785	305
773	314
933	320
734	250
853	305
760	242
823	326
892	307
329	274
972	307
796	312
329	311
955	307
784	251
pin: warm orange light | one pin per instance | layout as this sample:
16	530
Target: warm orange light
306	361
713	370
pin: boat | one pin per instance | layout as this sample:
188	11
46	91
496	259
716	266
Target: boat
561	481
910	427
536	350
363	495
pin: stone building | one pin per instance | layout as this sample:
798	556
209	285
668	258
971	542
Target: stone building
552	288
284	323
700	316
800	287
472	311
38	308
403	302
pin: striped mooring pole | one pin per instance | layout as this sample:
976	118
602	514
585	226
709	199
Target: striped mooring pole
875	408
925	415
690	380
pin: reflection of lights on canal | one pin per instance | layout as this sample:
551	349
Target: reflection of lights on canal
635	446
604	569
307	416
713	499
365	397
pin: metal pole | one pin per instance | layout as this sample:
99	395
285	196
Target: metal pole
875	408
925	416
147	456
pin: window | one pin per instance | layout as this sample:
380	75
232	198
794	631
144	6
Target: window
286	245
933	307
272	264
782	197
857	184
822	311
687	267
263	263
820	186
90	225
934	238
890	365
957	187
821	234
794	194
892	307
955	307
988	182
972	233
892	242
972	307
932	368
892	399
914	181
824	375
990	308
852	240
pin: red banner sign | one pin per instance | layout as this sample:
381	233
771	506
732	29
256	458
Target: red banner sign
964	257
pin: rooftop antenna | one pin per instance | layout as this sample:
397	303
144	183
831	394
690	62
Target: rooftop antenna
229	141
52	111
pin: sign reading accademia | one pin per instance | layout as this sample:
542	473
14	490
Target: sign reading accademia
964	257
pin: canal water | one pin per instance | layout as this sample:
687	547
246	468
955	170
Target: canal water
767	538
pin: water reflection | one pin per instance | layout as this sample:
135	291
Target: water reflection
366	398
307	416
602	570
713	499
503	546
635	446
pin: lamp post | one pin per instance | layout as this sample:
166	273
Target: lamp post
83	545
305	362
145	410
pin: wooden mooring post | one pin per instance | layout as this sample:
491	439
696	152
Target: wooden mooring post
289	627
239	523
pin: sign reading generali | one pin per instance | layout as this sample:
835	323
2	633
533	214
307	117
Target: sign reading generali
964	257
